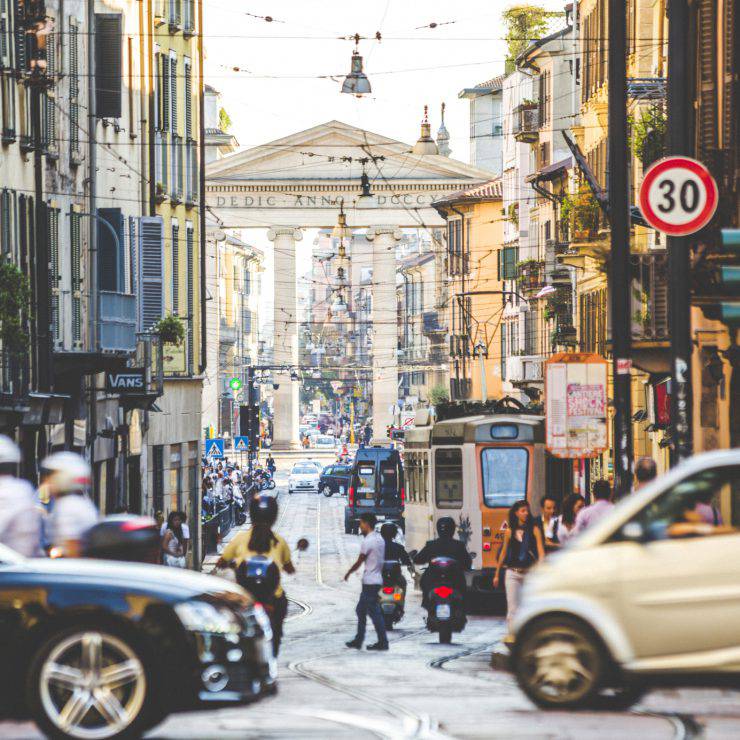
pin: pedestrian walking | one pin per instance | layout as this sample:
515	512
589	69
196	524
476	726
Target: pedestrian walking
645	471
523	547
185	542
565	525
68	476
548	522
173	549
20	517
372	554
602	505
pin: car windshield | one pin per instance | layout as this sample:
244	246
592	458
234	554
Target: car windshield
304	470
325	440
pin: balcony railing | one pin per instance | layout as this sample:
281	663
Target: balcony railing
117	321
526	122
431	323
524	368
191	172
530	276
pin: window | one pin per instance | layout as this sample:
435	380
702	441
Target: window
52	215
448	478
8	93
504	475
111	254
108	64
7	222
190	266
76	273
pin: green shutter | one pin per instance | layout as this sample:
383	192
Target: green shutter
175	268
108	64
165	87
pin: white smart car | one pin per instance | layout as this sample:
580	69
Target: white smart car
649	594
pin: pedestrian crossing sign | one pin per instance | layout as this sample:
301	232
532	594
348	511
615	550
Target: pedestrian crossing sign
215	448
241	444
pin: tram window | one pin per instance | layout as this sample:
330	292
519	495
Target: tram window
504	475
448	475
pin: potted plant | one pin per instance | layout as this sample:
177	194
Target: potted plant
159	192
582	212
649	131
513	213
170	329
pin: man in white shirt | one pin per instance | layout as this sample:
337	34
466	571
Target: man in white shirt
602	505
372	554
20	519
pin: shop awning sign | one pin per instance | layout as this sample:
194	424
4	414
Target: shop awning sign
576	405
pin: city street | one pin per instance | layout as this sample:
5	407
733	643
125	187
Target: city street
419	689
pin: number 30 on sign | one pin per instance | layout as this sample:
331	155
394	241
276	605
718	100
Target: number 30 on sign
678	196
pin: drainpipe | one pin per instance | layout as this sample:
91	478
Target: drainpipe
202	176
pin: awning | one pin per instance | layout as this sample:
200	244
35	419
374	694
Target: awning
551	171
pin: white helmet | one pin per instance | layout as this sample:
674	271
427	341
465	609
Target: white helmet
67	472
10	453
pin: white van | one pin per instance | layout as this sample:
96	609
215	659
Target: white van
650	594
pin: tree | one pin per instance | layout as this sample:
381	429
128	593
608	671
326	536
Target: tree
14	297
525	24
439	394
224	120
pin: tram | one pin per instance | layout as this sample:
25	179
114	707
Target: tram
473	467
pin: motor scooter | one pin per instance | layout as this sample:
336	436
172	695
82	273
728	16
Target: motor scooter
393	593
443	588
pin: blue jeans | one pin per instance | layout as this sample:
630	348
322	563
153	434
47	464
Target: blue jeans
369	603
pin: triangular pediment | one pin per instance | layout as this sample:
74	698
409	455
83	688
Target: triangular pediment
332	152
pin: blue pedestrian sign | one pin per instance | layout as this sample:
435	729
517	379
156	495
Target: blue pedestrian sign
241	444
215	448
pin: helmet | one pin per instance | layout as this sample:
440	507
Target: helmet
446	526
10	453
388	531
263	509
67	472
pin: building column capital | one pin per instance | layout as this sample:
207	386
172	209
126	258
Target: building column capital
293	232
376	231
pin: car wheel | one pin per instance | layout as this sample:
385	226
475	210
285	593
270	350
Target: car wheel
326	490
88	682
560	664
619	698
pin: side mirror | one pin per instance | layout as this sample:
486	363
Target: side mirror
633	532
302	544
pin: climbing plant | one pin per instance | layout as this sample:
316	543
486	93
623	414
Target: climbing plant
525	24
649	130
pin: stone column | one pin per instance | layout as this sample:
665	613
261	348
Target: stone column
285	336
385	329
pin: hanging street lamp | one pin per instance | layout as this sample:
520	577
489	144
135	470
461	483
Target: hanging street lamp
356	82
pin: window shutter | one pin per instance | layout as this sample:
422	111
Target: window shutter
108	64
150	262
5	226
54	277
21	38
707	61
110	254
5	44
175	268
173	94
76	273
191	294
188	101
165	86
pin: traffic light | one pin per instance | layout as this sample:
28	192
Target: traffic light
388	430
249	423
719	281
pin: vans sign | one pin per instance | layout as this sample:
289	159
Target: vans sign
132	380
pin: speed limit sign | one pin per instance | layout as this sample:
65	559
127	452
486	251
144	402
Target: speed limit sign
678	196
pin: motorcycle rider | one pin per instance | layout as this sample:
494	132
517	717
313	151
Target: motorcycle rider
395	552
445	546
68	475
261	540
20	518
270	463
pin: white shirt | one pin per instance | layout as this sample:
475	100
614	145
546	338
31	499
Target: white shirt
185	531
20	518
564	534
373	548
71	516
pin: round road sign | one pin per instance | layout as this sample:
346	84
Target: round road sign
678	196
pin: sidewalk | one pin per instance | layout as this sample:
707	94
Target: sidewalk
209	562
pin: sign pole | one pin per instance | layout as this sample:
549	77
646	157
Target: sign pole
679	266
619	277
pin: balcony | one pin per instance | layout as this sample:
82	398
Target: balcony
522	370
117	322
227	333
526	126
530	276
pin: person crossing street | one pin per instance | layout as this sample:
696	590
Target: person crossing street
372	555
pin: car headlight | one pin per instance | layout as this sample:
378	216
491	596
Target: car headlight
200	616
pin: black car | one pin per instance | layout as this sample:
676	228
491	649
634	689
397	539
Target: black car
335	479
376	485
101	649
